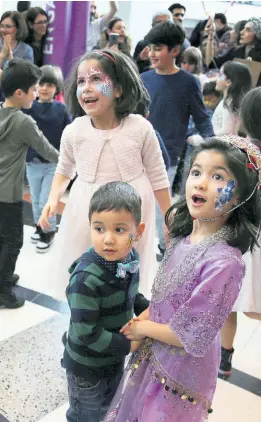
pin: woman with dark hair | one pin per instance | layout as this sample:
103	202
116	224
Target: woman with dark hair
13	32
37	22
116	26
234	82
250	44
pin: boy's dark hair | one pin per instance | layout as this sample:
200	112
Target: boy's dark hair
241	83
221	17
245	220
50	75
210	89
19	74
123	73
176	6
31	16
250	113
19	22
116	196
166	33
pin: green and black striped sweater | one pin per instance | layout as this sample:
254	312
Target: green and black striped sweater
100	305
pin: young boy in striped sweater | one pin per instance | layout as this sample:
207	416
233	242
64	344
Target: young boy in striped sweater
103	296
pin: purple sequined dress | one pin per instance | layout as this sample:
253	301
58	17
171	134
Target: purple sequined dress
194	292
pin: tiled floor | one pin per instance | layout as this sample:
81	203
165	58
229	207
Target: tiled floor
32	383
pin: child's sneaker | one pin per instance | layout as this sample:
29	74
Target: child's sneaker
46	241
36	237
226	361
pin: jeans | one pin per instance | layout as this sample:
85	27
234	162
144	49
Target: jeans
40	176
88	402
11	239
159	216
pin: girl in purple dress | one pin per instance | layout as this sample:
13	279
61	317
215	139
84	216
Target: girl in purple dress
172	378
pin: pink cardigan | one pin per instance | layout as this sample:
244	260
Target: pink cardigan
134	144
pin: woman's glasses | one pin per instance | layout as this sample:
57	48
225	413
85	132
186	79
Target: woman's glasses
179	14
3	26
41	22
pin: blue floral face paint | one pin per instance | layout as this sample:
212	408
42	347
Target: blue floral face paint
96	80
225	195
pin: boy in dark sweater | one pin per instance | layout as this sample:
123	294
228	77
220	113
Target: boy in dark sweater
103	296
18	132
51	117
175	94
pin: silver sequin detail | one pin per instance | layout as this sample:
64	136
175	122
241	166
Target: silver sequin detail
163	285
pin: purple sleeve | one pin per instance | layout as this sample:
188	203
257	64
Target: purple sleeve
198	321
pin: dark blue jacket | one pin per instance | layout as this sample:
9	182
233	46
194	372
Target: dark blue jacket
173	99
51	118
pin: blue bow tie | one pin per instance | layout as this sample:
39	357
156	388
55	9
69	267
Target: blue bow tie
130	267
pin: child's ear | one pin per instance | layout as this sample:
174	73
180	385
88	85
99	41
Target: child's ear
175	51
140	231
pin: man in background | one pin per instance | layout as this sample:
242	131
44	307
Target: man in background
98	25
178	12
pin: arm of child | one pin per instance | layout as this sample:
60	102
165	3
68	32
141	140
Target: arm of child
84	299
65	171
155	168
195	324
34	138
141	304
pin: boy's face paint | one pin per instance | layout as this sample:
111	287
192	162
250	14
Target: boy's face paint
94	81
131	239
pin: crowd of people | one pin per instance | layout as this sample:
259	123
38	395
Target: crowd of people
130	131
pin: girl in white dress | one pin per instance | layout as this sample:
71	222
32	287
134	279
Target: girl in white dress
249	299
105	143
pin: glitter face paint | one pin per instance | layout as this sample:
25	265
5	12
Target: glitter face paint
225	195
131	239
96	80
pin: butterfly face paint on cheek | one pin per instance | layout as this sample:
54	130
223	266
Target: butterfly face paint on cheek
94	81
225	195
131	239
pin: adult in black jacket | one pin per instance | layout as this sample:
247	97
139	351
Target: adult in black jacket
250	45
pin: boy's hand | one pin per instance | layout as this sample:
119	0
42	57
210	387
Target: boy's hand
134	332
144	54
135	345
49	211
128	324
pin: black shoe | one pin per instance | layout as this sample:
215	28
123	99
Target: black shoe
64	338
36	236
45	242
9	300
162	250
14	279
226	361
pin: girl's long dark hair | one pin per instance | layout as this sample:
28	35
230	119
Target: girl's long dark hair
245	220
123	73
241	83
